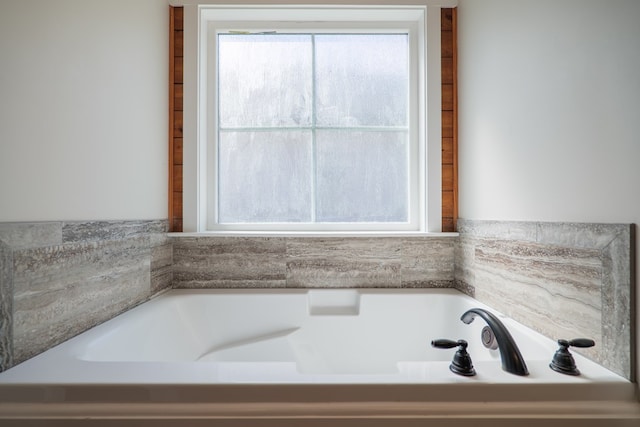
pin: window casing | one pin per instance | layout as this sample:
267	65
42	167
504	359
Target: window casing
202	205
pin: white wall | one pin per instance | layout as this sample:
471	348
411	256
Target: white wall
83	109
549	110
549	125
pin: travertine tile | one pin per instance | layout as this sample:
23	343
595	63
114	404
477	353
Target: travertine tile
617	302
578	235
567	279
63	290
513	230
63	278
6	307
86	231
313	262
57	279
464	262
24	235
228	262
161	266
554	290
427	262
343	262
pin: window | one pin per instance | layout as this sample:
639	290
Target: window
310	119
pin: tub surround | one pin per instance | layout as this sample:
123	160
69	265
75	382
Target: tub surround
61	278
563	280
313	262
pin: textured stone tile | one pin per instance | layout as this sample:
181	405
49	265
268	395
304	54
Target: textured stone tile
212	280
572	279
69	276
24	235
84	231
161	265
464	269
554	290
60	291
57	279
161	255
513	230
427	262
228	262
617	302
343	262
578	235
6	307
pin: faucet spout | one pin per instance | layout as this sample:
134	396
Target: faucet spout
512	360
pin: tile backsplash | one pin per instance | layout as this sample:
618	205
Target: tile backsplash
312	262
564	280
57	279
61	278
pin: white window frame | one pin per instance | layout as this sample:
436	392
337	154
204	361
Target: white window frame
201	26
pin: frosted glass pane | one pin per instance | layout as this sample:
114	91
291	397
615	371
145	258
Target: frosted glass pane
362	176
265	177
362	80
265	80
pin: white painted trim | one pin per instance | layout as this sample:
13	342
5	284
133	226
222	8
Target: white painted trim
190	179
434	3
434	116
382	234
196	199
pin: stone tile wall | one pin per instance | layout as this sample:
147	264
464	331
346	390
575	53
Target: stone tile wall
564	280
6	307
58	279
313	262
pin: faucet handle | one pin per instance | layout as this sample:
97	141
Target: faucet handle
579	342
461	363
563	360
445	343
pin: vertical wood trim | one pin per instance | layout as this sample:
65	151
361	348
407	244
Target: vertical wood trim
454	30
449	109
175	117
172	70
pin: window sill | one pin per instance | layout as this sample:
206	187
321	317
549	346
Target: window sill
315	234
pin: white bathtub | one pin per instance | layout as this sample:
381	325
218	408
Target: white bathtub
301	345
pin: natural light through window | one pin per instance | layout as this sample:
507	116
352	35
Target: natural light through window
313	128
